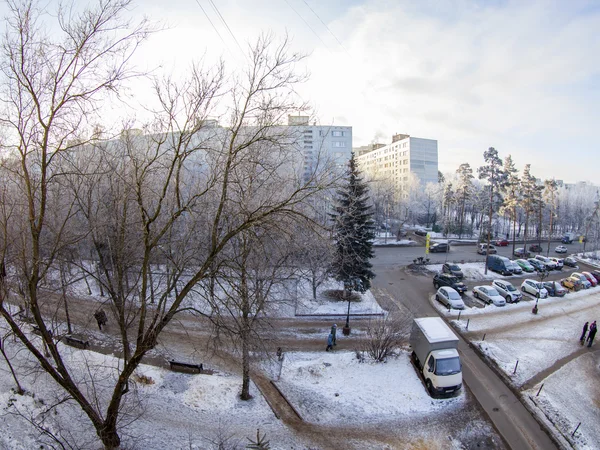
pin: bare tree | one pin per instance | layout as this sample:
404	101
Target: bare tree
166	200
385	335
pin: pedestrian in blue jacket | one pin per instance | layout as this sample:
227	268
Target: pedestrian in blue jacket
329	342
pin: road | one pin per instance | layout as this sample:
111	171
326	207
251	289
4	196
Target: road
512	420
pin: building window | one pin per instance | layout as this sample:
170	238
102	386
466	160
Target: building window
339	144
338	133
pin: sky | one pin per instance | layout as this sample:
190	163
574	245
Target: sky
520	76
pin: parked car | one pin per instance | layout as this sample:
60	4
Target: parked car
488	295
572	283
516	269
591	278
566	239
491	250
524	264
449	297
507	290
535	288
500	264
538	265
535	248
420	232
445	279
560	249
521	253
453	269
570	261
586	283
439	247
596	274
554	289
559	262
501	242
548	263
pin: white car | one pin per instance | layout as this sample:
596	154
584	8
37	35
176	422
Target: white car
559	262
535	288
488	295
507	290
449	297
560	249
547	262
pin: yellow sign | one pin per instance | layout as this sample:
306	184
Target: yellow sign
427	244
581	239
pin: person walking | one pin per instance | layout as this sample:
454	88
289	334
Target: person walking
329	342
333	332
592	333
583	333
101	318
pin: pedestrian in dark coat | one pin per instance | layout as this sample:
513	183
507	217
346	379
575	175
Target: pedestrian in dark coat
592	333
101	318
329	342
583	333
333	331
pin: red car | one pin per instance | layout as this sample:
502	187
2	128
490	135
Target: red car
591	278
501	243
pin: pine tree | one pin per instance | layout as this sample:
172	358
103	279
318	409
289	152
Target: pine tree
464	190
353	233
512	193
494	174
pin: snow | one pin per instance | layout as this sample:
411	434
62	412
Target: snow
569	397
336	388
326	306
512	334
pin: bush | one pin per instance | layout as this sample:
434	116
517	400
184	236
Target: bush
385	335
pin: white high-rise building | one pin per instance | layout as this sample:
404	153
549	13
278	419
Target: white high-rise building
401	161
322	144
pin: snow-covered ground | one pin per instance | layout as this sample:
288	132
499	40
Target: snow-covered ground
331	388
526	348
175	411
324	305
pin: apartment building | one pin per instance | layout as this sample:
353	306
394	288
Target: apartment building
322	144
402	162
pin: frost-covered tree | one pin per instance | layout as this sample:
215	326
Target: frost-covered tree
511	193
493	172
353	234
464	190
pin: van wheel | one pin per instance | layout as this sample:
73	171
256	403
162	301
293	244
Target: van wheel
522	289
436	285
476	294
430	388
508	299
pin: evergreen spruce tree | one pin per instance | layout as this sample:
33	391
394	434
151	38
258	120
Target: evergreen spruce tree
353	233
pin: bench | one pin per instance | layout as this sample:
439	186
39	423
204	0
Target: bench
77	343
177	366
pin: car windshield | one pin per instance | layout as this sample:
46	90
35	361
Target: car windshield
492	292
539	285
549	284
447	366
454	267
510	288
453	295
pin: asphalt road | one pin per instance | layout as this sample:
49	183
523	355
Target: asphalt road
402	288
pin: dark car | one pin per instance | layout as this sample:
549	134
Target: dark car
554	289
501	243
596	275
538	265
445	279
521	253
536	248
420	232
570	261
439	247
453	269
566	240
